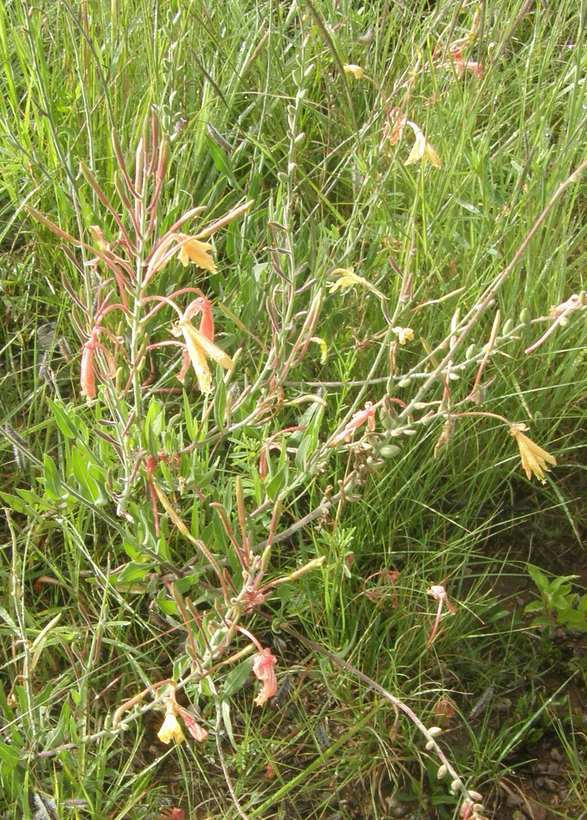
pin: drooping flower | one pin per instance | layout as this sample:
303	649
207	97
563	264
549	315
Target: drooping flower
355	71
199	344
264	669
170	728
405	335
87	371
438	592
534	459
193	250
347	279
422	150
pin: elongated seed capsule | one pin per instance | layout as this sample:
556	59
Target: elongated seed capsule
507	327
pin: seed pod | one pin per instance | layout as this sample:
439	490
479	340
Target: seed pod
507	327
470	351
524	316
389	451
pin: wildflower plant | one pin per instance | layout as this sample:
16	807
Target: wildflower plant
195	434
173	397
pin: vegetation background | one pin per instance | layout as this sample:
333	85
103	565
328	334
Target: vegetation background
255	103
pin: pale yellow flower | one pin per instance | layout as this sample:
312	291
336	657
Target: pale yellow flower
422	150
323	348
192	250
200	349
405	335
354	71
534	459
347	279
170	728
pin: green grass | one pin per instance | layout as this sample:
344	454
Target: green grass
256	105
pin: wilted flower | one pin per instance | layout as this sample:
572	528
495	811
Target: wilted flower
170	728
462	65
438	592
263	667
534	458
196	731
87	372
394	126
422	150
367	415
192	250
405	335
354	71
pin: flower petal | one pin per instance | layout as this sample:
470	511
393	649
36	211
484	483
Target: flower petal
192	250
354	71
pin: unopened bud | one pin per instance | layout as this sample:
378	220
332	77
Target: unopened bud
405	382
316	562
442	772
435	731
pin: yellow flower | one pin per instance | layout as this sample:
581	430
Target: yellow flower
355	71
200	349
534	458
422	150
192	250
170	728
347	279
405	335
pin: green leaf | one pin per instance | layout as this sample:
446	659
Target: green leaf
538	577
52	479
64	418
225	709
220	401
237	678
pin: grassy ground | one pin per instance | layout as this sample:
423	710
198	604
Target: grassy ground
255	104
